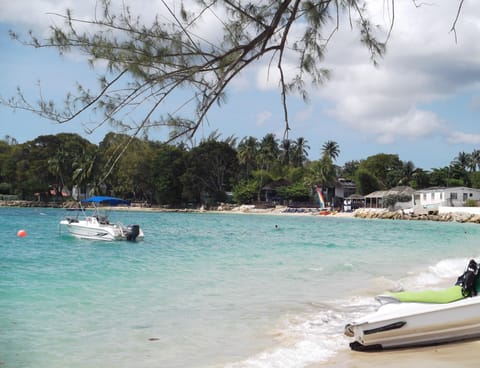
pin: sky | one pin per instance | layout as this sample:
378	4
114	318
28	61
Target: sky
421	102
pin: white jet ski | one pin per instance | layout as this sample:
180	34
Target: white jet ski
410	318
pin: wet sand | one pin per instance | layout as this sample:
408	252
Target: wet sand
461	354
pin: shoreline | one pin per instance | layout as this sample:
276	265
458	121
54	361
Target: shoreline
243	209
456	354
361	213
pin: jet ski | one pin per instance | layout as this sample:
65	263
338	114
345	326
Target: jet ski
419	318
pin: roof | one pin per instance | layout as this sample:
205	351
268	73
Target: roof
401	190
355	196
445	189
346	183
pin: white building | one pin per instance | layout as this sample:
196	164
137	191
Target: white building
429	200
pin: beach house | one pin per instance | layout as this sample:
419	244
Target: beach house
430	199
343	189
394	198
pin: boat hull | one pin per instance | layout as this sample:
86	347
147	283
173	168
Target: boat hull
96	231
396	325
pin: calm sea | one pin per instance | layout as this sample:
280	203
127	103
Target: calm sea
208	290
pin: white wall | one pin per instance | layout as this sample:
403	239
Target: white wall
444	209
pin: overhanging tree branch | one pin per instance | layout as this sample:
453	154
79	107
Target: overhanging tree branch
150	65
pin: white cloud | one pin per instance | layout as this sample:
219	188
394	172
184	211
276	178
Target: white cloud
414	124
262	118
423	66
475	103
464	138
304	114
39	15
267	78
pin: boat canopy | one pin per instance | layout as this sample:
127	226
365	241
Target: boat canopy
111	201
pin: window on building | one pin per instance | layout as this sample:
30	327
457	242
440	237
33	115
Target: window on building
424	196
465	196
453	195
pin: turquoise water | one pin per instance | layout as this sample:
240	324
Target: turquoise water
208	290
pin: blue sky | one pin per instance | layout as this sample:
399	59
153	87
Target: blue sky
422	102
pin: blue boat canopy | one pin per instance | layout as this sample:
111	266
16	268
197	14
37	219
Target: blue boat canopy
111	201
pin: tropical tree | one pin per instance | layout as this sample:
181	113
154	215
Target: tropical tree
475	179
269	151
321	173
475	160
132	169
31	168
300	151
387	168
440	176
167	169
247	152
285	151
331	150
56	165
420	179
297	192
366	182
458	174
408	169
350	168
6	166
211	171
246	191
84	174
135	171
462	161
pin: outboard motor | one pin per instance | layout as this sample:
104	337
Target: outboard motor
133	231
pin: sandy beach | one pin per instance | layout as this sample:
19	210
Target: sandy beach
246	210
461	354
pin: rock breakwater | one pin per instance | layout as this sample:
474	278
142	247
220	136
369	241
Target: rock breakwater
462	217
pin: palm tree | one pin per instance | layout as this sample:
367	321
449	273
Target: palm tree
286	151
56	166
462	160
331	149
300	152
247	152
475	160
84	170
421	179
408	169
349	168
269	151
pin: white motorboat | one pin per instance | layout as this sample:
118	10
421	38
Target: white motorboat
411	323
97	226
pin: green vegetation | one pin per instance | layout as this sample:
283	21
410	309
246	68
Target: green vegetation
173	175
